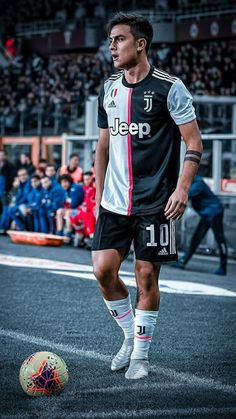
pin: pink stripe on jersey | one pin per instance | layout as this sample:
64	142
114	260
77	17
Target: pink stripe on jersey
124	315
143	337
130	155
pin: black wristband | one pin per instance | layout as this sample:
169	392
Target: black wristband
193	155
195	160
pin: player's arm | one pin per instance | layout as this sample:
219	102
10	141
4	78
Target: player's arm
101	161
178	200
180	106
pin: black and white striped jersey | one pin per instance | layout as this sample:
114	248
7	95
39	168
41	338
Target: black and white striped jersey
144	144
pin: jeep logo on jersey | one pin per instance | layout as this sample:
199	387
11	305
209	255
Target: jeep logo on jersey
123	128
148	100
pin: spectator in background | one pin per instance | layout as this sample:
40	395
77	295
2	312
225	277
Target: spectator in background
26	163
7	174
19	212
53	198
83	219
74	196
40	170
73	169
93	162
34	201
211	211
50	171
10	48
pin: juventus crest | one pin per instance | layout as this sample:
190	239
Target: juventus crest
148	98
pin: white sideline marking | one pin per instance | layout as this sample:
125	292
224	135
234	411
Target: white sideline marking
86	272
167	286
37	263
58	346
186	378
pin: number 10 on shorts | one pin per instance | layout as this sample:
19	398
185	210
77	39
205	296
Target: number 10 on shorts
164	235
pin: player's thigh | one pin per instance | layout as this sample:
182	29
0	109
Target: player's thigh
155	238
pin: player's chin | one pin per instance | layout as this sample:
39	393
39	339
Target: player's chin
118	64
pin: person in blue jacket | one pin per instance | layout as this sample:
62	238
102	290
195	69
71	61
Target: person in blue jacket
19	211
211	211
53	197
74	195
35	201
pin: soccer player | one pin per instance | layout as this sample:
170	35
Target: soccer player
142	114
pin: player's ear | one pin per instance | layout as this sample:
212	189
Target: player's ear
141	44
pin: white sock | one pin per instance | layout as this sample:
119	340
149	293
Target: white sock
122	312
145	322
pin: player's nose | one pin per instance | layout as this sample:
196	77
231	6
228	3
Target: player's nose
112	45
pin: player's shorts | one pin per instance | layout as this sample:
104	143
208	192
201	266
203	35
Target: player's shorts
153	236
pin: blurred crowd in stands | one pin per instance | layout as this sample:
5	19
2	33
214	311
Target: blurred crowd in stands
53	87
76	10
45	200
49	86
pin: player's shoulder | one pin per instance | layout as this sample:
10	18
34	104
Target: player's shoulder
114	77
164	76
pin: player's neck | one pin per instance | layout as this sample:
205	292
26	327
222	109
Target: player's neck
138	72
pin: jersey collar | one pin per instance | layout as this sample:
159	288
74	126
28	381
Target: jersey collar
139	83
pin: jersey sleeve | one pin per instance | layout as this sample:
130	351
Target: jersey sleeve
102	115
180	103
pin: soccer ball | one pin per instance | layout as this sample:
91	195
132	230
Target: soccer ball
43	373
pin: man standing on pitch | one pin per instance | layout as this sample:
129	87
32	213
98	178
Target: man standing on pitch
142	114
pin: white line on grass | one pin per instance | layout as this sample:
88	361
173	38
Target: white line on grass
186	378
58	346
167	286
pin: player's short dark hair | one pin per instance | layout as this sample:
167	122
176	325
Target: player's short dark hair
140	27
73	155
42	161
66	177
88	173
45	176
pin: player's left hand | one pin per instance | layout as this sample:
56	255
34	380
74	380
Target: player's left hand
176	205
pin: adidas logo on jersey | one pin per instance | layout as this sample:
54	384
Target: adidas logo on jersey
112	104
133	128
163	252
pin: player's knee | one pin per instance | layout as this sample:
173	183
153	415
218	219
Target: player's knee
104	274
146	277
